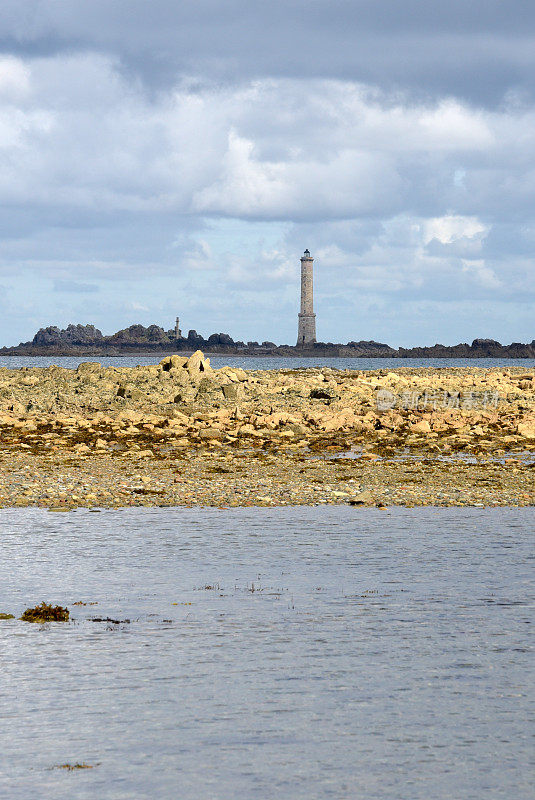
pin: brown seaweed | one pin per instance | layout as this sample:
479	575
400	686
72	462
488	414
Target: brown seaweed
46	613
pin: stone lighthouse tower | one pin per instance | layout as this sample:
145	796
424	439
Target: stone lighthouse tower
306	333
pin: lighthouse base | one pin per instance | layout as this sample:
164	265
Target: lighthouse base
306	331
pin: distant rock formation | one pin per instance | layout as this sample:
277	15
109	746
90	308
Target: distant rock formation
480	348
138	334
72	335
88	340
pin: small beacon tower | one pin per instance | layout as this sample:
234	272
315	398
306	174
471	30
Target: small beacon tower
306	332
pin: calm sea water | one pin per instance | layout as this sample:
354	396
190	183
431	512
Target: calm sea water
339	653
250	362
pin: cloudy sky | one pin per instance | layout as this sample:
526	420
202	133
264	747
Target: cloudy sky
164	157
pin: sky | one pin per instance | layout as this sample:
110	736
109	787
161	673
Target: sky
172	158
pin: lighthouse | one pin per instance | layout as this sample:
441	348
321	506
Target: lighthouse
306	331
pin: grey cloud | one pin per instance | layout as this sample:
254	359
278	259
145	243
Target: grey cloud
180	156
476	50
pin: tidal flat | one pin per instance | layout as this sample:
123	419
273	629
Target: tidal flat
182	433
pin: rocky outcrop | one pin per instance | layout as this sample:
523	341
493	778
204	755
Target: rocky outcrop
480	348
71	336
94	435
139	335
482	408
88	340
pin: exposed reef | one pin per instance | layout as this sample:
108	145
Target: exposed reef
80	340
182	433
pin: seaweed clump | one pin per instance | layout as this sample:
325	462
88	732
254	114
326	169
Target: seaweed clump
46	613
7	616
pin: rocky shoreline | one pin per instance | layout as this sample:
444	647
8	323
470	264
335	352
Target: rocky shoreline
86	340
180	433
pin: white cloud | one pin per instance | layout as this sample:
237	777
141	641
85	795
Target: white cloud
451	125
14	78
398	200
83	135
484	274
451	228
244	187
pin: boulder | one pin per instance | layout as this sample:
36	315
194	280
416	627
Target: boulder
173	362
185	395
198	363
526	429
179	376
234	373
323	393
87	367
211	433
363	498
422	426
232	391
208	386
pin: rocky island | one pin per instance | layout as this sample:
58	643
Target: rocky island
181	433
86	340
